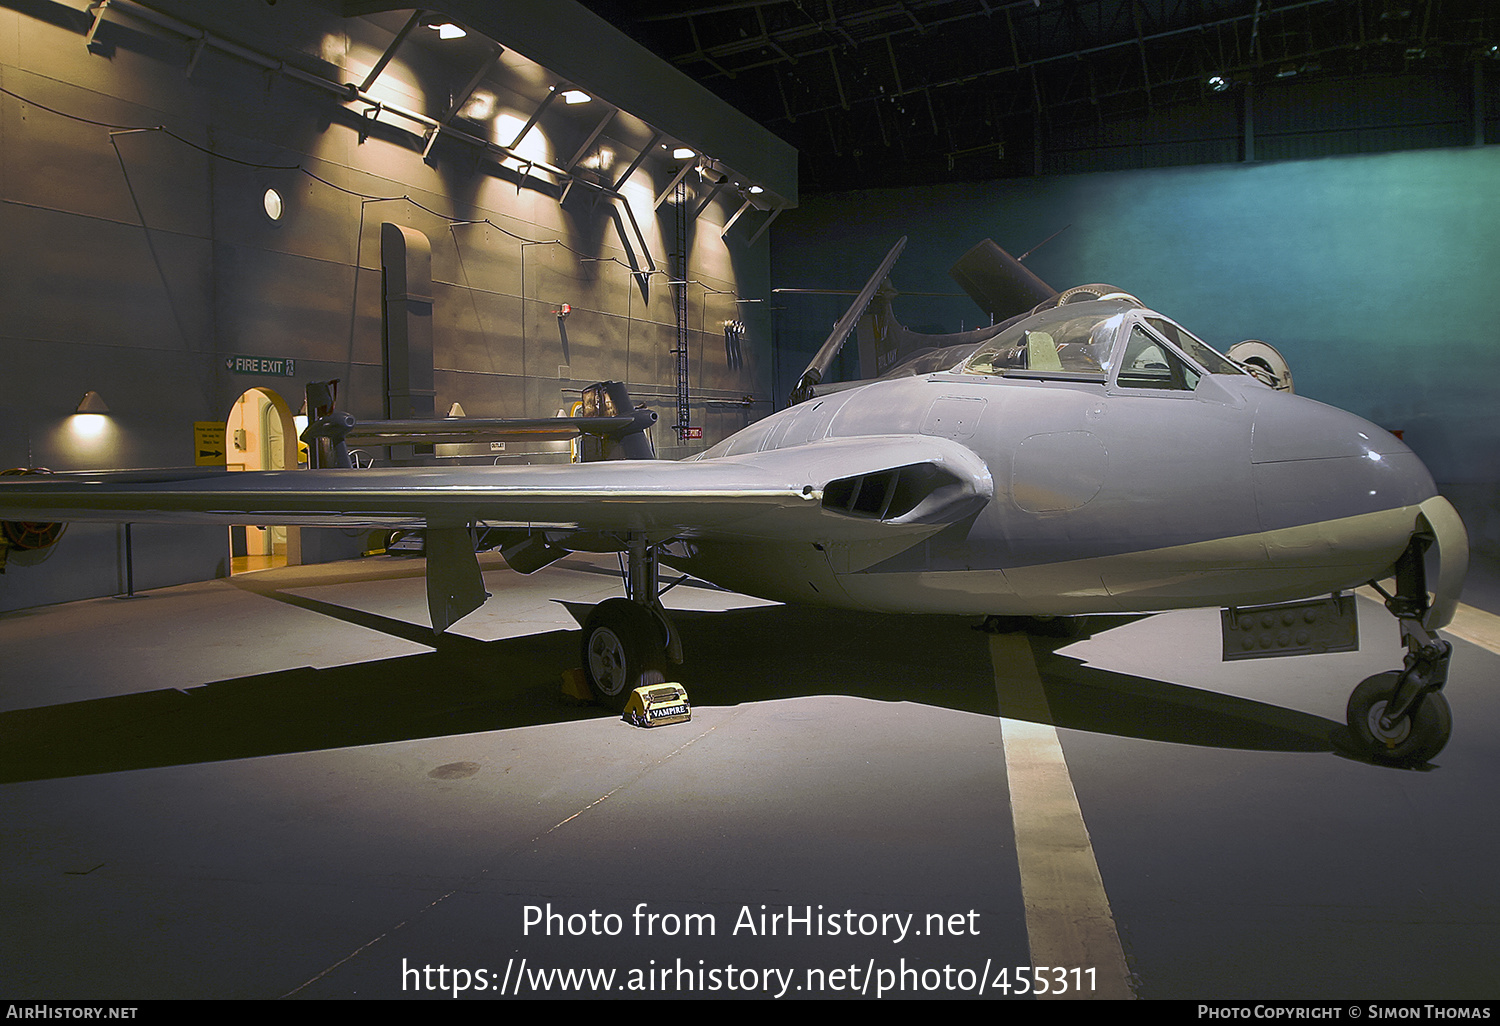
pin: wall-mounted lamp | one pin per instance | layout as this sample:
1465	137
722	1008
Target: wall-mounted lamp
1218	83
90	425
91	403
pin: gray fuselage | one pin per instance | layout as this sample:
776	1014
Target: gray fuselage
1127	489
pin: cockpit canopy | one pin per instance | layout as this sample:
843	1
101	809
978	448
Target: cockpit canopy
1097	340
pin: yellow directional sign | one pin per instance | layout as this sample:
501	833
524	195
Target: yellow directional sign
208	443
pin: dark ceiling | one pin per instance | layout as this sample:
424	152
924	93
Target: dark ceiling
899	92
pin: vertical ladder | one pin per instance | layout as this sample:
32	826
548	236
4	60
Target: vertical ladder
680	276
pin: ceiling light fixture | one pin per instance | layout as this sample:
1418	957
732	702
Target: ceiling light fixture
448	30
576	96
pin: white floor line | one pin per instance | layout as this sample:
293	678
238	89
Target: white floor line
1068	919
1476	627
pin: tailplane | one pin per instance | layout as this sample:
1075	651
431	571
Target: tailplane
609	427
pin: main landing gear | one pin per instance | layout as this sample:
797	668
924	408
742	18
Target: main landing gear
629	642
1400	717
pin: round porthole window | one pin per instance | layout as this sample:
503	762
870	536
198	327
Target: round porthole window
274	205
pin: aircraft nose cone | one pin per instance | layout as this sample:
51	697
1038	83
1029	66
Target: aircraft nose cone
1313	463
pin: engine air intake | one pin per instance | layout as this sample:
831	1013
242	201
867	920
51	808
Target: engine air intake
887	494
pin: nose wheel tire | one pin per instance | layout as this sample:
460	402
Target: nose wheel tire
1409	741
622	650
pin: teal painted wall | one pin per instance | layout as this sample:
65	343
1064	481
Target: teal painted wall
1374	275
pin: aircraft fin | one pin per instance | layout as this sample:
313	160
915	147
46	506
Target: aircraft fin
994	279
454	586
998	282
612	399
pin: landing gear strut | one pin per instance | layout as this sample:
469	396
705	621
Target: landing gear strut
1401	717
629	642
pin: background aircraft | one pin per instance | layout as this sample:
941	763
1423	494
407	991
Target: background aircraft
1082	455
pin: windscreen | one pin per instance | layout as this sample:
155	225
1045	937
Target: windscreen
1196	349
1076	339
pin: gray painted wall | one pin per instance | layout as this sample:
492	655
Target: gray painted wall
135	264
1373	275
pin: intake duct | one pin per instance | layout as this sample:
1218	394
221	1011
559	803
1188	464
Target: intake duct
907	494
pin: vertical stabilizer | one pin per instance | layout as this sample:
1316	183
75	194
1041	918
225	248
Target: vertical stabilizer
612	399
998	282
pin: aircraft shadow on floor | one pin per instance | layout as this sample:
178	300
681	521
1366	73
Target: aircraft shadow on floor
736	656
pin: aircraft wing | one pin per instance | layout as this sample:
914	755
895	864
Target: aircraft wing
832	490
612	496
782	490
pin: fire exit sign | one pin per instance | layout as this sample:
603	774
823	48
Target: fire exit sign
275	366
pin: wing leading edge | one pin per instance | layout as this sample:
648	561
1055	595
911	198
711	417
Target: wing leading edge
780	495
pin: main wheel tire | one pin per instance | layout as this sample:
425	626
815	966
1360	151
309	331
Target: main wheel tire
1413	739
622	650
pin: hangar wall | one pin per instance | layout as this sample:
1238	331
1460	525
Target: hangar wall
1372	275
138	258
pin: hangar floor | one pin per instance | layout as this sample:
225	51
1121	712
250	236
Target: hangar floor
279	785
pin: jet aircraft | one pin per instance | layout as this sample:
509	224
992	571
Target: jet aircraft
1084	454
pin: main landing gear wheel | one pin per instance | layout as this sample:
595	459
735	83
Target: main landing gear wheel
622	650
1410	740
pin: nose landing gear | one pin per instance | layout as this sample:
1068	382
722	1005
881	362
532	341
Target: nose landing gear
1400	717
1389	734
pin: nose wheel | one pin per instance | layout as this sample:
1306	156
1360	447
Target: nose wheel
1404	739
1400	717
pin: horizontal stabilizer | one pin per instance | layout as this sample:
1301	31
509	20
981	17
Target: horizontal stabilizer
451	430
616	429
